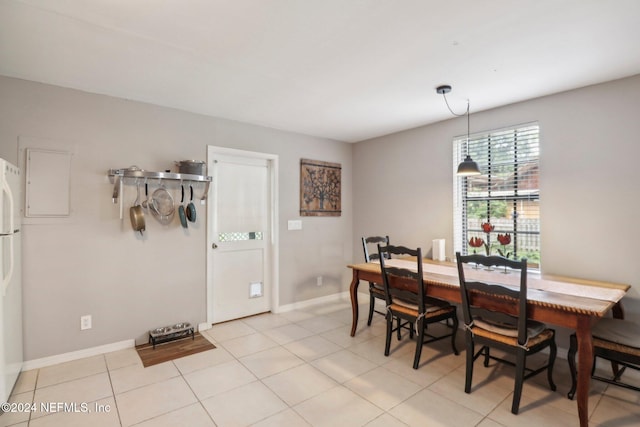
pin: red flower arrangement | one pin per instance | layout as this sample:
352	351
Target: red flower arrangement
503	239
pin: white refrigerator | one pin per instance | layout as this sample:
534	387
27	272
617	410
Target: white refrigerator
11	353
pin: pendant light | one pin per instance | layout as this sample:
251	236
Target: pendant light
468	167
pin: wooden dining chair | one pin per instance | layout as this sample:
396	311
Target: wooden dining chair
615	340
406	300
376	290
496	316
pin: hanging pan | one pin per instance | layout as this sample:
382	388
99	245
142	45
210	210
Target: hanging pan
136	214
191	208
181	214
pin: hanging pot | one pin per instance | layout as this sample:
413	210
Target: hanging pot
191	208
181	214
136	214
193	167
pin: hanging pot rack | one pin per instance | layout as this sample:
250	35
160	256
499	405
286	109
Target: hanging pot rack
118	177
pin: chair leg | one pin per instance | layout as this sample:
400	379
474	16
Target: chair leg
387	344
486	356
553	351
517	391
571	358
453	335
615	368
399	329
469	368
372	306
419	344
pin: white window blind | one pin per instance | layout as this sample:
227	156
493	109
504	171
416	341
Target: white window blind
506	194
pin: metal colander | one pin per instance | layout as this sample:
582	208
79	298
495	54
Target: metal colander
162	203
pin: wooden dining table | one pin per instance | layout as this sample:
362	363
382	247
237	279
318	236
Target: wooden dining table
572	303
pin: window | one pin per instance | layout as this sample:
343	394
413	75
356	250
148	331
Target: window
506	195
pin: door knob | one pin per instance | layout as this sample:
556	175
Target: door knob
214	246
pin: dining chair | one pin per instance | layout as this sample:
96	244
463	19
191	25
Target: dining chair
615	340
376	290
406	300
496	316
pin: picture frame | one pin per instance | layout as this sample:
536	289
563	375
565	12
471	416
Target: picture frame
320	188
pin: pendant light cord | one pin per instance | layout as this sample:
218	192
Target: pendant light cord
468	167
466	113
444	95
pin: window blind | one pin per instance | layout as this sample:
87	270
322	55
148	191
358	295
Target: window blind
506	195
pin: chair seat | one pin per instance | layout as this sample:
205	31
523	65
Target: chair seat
616	340
534	328
618	331
618	335
543	336
412	309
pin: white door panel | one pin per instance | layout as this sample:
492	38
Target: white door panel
234	281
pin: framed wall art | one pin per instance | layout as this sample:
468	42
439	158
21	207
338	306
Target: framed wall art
320	188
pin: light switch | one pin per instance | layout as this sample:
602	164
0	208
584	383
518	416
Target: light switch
294	224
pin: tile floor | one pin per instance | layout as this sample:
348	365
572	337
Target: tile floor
302	368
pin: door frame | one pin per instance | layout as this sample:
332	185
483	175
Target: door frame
272	161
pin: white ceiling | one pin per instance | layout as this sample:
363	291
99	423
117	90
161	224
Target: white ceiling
343	69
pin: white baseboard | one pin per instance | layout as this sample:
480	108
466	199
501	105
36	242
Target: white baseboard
87	352
75	355
204	326
314	301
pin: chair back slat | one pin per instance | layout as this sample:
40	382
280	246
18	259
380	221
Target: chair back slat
494	289
373	240
492	261
401	272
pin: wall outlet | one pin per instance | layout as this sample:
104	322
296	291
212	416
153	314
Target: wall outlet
319	281
85	322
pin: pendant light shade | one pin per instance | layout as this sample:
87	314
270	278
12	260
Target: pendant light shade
468	167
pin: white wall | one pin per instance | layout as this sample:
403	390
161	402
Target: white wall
95	264
589	195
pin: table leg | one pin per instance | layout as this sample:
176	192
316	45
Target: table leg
585	364
353	290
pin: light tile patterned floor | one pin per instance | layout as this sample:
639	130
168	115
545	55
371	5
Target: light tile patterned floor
302	368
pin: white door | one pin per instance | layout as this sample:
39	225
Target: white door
240	239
